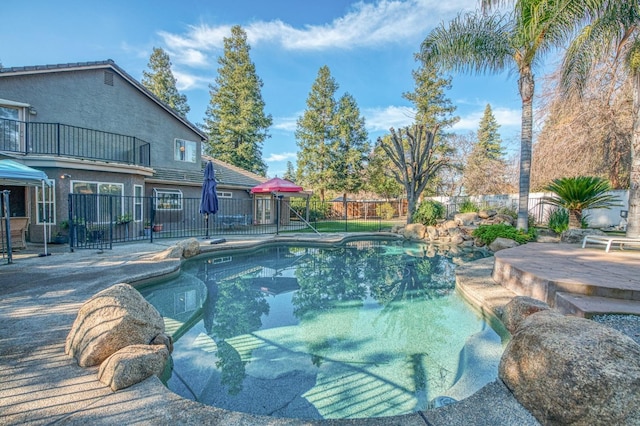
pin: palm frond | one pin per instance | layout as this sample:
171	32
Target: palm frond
470	43
580	193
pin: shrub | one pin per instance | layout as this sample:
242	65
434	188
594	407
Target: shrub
428	212
558	221
468	206
488	233
385	211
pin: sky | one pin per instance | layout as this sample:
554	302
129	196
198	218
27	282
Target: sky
369	46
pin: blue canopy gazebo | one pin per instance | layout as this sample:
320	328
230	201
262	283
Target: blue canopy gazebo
13	173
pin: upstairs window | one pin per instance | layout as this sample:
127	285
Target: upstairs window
185	151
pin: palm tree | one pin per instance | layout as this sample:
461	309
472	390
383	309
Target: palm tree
493	42
614	29
580	193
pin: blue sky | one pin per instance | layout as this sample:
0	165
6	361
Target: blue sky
369	47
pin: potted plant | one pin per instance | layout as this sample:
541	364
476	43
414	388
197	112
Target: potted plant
62	236
157	227
124	219
146	232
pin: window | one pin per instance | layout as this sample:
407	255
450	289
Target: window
224	194
9	128
185	151
106	204
168	199
138	210
46	209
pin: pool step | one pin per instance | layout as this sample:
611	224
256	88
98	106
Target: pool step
587	306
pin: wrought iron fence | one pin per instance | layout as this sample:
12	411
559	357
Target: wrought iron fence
99	221
71	141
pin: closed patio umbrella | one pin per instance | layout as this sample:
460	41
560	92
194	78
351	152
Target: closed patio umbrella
209	199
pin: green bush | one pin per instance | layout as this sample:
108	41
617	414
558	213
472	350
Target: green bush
488	233
558	221
385	211
468	206
428	212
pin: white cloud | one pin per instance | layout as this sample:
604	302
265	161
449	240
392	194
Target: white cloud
287	124
366	25
381	119
281	157
504	116
187	81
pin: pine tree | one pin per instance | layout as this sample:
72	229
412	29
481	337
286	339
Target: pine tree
161	82
350	147
235	119
432	106
485	170
488	137
315	133
290	174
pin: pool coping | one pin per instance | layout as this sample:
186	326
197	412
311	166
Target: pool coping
65	393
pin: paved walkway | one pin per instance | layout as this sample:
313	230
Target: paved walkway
39	384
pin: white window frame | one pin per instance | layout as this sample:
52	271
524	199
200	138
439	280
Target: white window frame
138	201
224	194
161	200
98	184
50	202
185	151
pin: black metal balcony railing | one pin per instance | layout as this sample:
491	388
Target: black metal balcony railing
71	141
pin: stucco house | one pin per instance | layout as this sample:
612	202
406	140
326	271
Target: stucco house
94	129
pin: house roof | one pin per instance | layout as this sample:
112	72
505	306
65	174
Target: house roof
109	63
227	174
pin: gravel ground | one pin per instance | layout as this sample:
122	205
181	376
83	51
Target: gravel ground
627	324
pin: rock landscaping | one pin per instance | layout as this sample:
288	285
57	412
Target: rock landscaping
457	231
123	333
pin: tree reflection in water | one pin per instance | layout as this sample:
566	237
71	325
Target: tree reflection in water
345	298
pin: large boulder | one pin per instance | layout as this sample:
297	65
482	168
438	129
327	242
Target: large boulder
414	231
465	219
132	365
190	247
573	371
502	243
111	320
577	235
518	309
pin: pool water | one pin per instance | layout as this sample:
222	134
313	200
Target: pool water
368	329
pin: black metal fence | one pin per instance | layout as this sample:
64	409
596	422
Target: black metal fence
71	141
99	221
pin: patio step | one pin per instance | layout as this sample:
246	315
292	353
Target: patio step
587	306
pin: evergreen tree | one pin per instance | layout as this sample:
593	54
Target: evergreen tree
290	174
488	137
349	148
485	171
235	119
432	106
315	133
161	82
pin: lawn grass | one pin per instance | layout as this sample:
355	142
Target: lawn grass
351	226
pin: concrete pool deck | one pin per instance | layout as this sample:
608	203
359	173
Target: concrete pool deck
39	384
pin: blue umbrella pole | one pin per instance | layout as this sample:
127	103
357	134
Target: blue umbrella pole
206	221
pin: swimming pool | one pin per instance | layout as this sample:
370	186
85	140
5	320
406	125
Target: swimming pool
366	329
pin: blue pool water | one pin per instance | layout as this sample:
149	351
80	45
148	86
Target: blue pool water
368	329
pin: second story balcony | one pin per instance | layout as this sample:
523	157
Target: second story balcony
63	140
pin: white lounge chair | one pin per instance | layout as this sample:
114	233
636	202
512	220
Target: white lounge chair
609	240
